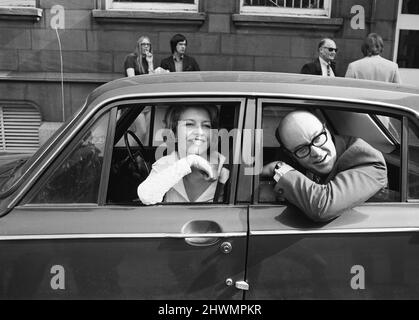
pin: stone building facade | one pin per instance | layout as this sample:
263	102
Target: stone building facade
95	39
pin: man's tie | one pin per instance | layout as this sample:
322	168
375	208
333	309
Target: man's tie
328	70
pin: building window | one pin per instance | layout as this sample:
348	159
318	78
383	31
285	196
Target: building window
18	3
20	10
150	5
406	48
303	8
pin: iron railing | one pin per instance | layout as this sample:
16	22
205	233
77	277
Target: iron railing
295	4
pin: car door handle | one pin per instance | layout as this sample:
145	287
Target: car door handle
201	232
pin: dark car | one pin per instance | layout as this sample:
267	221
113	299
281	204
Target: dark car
72	226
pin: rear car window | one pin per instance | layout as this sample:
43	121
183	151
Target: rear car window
382	132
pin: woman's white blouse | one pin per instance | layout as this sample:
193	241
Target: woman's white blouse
165	182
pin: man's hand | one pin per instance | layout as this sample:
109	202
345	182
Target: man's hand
269	169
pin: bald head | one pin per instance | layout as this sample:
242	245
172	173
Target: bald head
294	122
302	129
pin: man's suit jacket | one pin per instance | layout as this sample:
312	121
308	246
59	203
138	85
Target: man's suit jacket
374	68
315	68
359	173
189	64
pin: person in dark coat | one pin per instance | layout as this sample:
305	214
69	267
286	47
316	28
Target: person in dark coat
324	65
179	61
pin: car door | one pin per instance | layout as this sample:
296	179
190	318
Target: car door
369	252
63	240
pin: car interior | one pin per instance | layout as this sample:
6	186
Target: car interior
138	136
134	149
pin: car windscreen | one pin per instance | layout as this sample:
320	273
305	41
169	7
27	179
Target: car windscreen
12	172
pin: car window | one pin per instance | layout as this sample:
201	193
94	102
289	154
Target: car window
77	178
413	164
20	168
140	126
379	131
142	138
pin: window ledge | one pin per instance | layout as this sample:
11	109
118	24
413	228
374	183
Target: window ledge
127	16
244	20
21	13
56	77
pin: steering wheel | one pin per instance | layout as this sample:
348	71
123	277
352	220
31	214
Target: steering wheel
140	152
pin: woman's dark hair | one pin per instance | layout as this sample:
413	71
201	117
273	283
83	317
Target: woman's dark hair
373	45
174	41
171	118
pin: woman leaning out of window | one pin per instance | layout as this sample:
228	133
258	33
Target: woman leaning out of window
193	172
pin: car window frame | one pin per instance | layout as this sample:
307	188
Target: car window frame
405	132
58	159
36	158
80	127
403	114
242	101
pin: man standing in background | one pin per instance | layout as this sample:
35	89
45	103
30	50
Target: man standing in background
324	65
179	61
373	66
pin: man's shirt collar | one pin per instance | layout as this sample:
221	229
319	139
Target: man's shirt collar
180	58
323	62
324	67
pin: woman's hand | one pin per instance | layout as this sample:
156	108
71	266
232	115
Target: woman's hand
149	57
200	163
161	70
130	72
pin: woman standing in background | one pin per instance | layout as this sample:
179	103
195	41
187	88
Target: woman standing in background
140	61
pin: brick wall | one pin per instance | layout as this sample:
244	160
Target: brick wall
95	48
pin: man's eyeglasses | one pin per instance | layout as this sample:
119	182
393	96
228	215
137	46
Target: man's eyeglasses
317	141
331	49
146	44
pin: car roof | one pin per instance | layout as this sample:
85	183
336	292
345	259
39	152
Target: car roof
255	84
